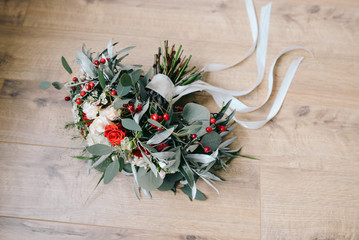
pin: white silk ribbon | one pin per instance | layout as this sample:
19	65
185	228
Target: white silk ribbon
165	87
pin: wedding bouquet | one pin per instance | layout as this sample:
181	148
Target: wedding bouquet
132	122
134	130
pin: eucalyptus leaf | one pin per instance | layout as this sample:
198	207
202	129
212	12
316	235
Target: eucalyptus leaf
170	181
44	85
193	112
192	129
111	171
125	80
99	149
130	124
147	180
212	140
135	75
199	195
122	91
66	65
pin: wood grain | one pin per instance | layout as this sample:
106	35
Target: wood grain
304	186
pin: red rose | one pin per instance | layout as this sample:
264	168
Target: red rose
114	134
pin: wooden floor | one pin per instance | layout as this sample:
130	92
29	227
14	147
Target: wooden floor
306	184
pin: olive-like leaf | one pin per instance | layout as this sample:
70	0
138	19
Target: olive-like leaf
147	180
57	85
66	65
101	79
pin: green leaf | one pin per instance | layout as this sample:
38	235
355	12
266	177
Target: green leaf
186	130
125	80
147	77
102	166
160	136
130	124
99	149
147	180
157	124
223	110
188	174
212	140
125	50
44	85
199	195
101	79
193	112
66	65
115	77
119	104
127	168
57	85
170	181
175	166
83	157
135	76
123	91
111	171
122	164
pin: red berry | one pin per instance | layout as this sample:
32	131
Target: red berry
160	118
153	125
166	117
212	120
96	62
107	59
131	104
155	116
113	93
130	108
159	129
222	128
139	108
75	79
193	136
73	88
91	84
82	93
87	87
67	98
207	149
78	101
102	60
125	105
209	129
179	108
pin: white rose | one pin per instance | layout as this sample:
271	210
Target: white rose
111	113
99	124
90	110
97	139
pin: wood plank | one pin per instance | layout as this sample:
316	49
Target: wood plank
46	183
12	13
299	204
17	228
